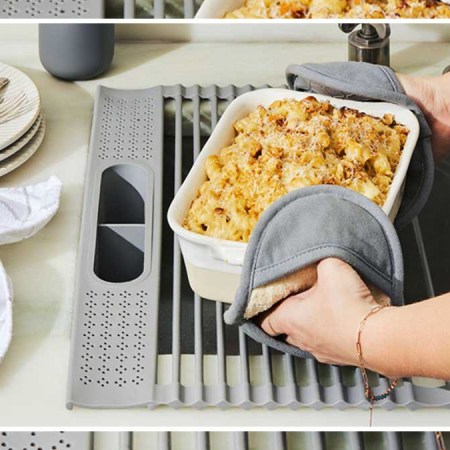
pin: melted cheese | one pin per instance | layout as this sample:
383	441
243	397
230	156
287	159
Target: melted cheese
376	9
287	146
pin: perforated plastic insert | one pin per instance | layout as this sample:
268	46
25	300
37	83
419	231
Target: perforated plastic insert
45	440
116	314
47	9
190	357
127	128
124	349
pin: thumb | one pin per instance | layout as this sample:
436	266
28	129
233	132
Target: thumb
340	276
277	321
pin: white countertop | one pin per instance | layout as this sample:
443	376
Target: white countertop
34	372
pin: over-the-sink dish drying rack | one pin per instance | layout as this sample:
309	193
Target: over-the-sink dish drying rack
22	126
187	9
281	441
53	440
93	9
141	337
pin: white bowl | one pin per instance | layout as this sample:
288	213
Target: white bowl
214	265
216	9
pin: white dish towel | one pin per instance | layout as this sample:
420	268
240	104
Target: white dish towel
23	212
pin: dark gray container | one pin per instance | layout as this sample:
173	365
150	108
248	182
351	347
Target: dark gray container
76	51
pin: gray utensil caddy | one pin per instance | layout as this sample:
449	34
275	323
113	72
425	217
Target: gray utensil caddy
118	266
136	342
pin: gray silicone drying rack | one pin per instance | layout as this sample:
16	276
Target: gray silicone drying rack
53	440
32	440
152	341
50	9
163	9
283	441
92	9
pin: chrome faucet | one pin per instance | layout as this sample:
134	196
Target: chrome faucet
370	43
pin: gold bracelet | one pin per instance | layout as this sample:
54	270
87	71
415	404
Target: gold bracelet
440	440
371	397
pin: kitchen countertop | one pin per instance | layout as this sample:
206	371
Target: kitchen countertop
33	375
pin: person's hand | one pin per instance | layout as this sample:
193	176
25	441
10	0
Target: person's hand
432	94
325	319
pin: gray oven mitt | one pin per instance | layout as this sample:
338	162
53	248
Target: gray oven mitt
369	82
311	224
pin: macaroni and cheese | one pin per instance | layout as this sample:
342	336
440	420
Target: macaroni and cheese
371	9
289	145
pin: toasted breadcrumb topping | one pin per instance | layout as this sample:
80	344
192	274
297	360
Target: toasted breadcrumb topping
317	9
287	146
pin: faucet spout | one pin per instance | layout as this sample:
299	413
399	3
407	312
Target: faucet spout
370	43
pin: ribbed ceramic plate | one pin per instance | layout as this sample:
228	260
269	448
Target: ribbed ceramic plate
21	142
24	154
14	129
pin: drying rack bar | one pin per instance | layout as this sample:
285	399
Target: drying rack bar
187	9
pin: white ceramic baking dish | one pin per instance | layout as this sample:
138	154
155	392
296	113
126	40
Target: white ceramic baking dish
214	265
216	9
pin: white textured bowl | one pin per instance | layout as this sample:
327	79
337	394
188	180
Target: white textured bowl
214	265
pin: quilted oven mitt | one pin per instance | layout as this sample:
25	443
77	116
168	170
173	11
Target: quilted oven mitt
371	82
317	222
23	212
302	228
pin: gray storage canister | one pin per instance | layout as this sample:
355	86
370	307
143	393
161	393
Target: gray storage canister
76	51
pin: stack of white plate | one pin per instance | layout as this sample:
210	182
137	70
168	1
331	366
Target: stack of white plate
22	135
